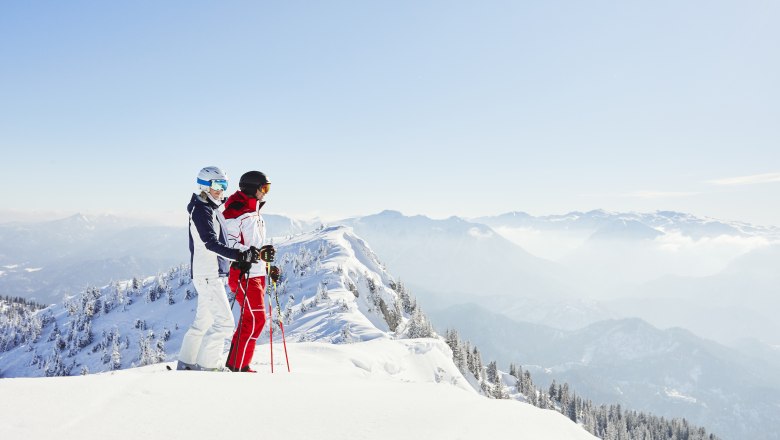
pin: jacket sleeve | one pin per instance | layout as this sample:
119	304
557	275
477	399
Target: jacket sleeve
233	234
204	223
250	230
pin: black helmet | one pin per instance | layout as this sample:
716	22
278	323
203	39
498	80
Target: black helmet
251	181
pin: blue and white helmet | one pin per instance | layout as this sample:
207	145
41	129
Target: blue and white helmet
212	177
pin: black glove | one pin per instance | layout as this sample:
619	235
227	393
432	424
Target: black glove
242	266
267	253
249	256
275	274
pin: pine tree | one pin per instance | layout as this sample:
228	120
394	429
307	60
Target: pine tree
458	355
564	398
116	355
553	391
151	351
527	383
571	409
533	398
492	373
419	327
477	366
516	371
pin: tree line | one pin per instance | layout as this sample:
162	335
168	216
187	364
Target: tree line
609	422
22	301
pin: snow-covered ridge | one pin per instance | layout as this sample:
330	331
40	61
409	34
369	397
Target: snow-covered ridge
334	290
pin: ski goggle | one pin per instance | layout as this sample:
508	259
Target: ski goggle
265	188
216	184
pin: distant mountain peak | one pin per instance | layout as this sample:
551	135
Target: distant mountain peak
599	212
78	221
79	217
515	214
673	214
390	213
624	229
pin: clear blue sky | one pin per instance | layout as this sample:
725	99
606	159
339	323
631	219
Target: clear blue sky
427	107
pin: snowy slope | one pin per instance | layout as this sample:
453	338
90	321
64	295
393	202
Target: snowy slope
380	389
346	321
334	290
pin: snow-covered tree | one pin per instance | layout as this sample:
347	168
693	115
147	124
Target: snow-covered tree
459	352
492	372
475	365
419	326
151	351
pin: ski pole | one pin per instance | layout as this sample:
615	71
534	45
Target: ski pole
270	325
279	310
284	342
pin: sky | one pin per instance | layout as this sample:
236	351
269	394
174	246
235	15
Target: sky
438	108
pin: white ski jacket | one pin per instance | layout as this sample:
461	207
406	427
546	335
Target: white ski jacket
245	227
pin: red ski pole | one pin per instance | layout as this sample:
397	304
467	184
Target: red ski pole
271	326
279	310
284	342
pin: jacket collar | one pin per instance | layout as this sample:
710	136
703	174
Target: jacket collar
196	198
240	203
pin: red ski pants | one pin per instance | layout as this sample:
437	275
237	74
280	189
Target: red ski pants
250	296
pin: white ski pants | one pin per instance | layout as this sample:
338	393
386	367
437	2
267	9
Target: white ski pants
204	342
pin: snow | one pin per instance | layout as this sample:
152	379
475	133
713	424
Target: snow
678	395
381	389
314	297
352	377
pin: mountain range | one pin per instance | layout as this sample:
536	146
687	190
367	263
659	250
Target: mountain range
667	372
451	262
666	221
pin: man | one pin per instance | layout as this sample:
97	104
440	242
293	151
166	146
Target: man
245	230
203	343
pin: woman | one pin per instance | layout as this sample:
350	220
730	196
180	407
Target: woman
203	343
246	228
